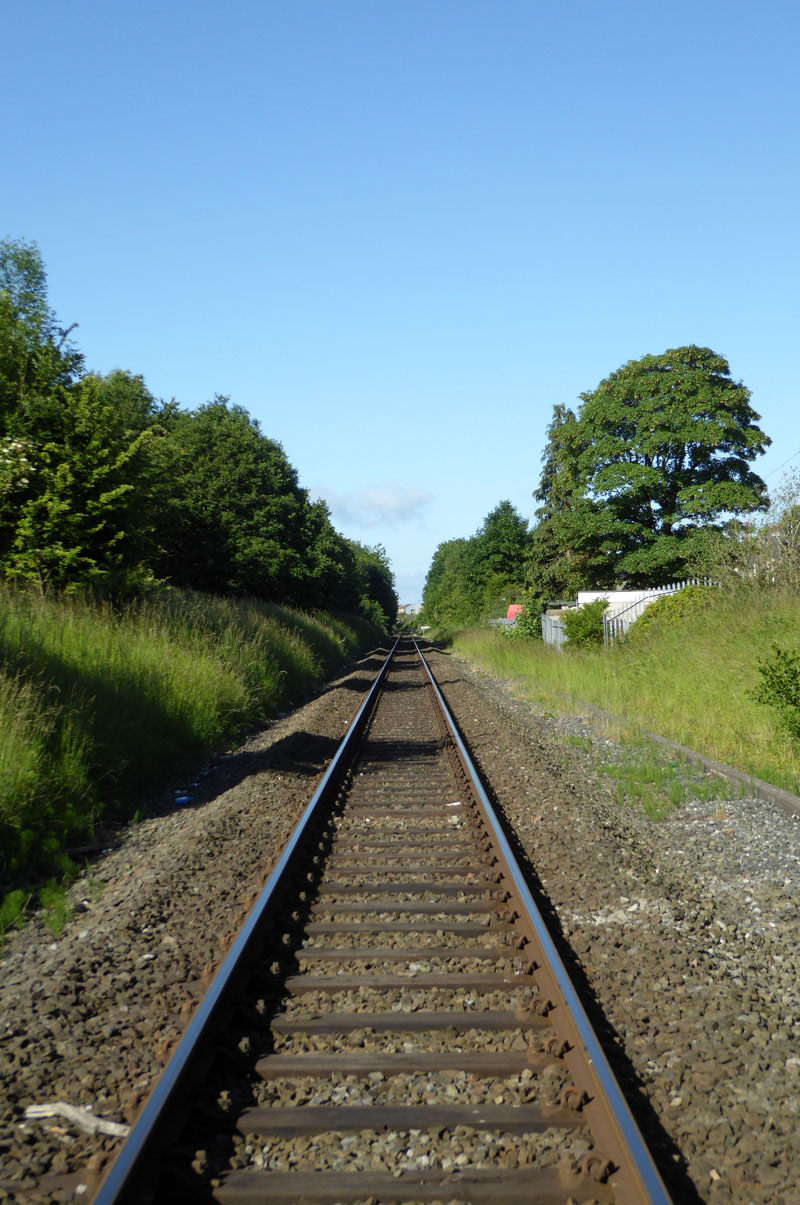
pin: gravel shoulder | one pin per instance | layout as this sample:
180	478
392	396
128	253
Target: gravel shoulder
683	933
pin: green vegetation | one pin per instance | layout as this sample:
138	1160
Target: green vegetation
116	510
106	489
478	578
648	776
779	687
658	785
584	627
12	911
637	486
55	906
638	481
99	703
694	679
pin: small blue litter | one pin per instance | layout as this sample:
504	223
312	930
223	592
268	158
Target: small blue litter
184	799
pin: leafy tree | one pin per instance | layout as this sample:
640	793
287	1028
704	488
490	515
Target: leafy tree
667	442
332	577
563	554
763	553
496	558
446	598
72	453
375	582
635	485
36	359
237	523
82	517
474	578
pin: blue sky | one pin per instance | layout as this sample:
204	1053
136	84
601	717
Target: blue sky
399	233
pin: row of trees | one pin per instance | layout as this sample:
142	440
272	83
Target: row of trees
469	578
638	487
106	487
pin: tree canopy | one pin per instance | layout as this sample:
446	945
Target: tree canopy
479	577
656	459
637	487
102	486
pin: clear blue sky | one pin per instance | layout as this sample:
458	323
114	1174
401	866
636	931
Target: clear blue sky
399	231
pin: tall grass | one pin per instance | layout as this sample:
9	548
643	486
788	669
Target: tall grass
98	705
690	681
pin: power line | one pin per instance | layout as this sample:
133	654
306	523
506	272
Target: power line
781	466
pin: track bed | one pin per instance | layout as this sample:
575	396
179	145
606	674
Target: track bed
401	1035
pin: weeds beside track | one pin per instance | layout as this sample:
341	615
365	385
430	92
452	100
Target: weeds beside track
98	705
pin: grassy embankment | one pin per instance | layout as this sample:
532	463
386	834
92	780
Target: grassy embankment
98	706
690	680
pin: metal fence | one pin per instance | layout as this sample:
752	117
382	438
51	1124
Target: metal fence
553	631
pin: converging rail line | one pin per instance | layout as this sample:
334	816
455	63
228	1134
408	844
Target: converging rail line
393	1023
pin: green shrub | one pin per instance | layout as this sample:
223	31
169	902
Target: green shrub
779	688
672	609
56	907
529	622
584	627
12	912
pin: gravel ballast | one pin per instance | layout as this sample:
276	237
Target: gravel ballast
683	933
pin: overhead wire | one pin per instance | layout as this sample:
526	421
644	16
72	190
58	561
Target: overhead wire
781	466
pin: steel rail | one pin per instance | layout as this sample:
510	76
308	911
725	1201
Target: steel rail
644	1170
142	1142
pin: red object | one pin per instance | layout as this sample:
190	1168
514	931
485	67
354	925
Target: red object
515	610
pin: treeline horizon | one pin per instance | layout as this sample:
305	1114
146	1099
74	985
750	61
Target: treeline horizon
648	481
106	489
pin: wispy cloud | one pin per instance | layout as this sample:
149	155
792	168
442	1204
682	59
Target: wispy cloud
387	505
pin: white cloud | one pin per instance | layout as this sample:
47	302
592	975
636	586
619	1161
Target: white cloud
387	505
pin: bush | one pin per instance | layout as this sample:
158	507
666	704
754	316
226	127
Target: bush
584	627
672	609
780	688
529	622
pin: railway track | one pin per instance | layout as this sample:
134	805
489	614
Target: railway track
393	1023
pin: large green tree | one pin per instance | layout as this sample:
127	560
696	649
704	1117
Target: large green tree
563	554
237	520
657	459
375	583
77	469
446	598
86	513
37	360
496	559
477	578
332	578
